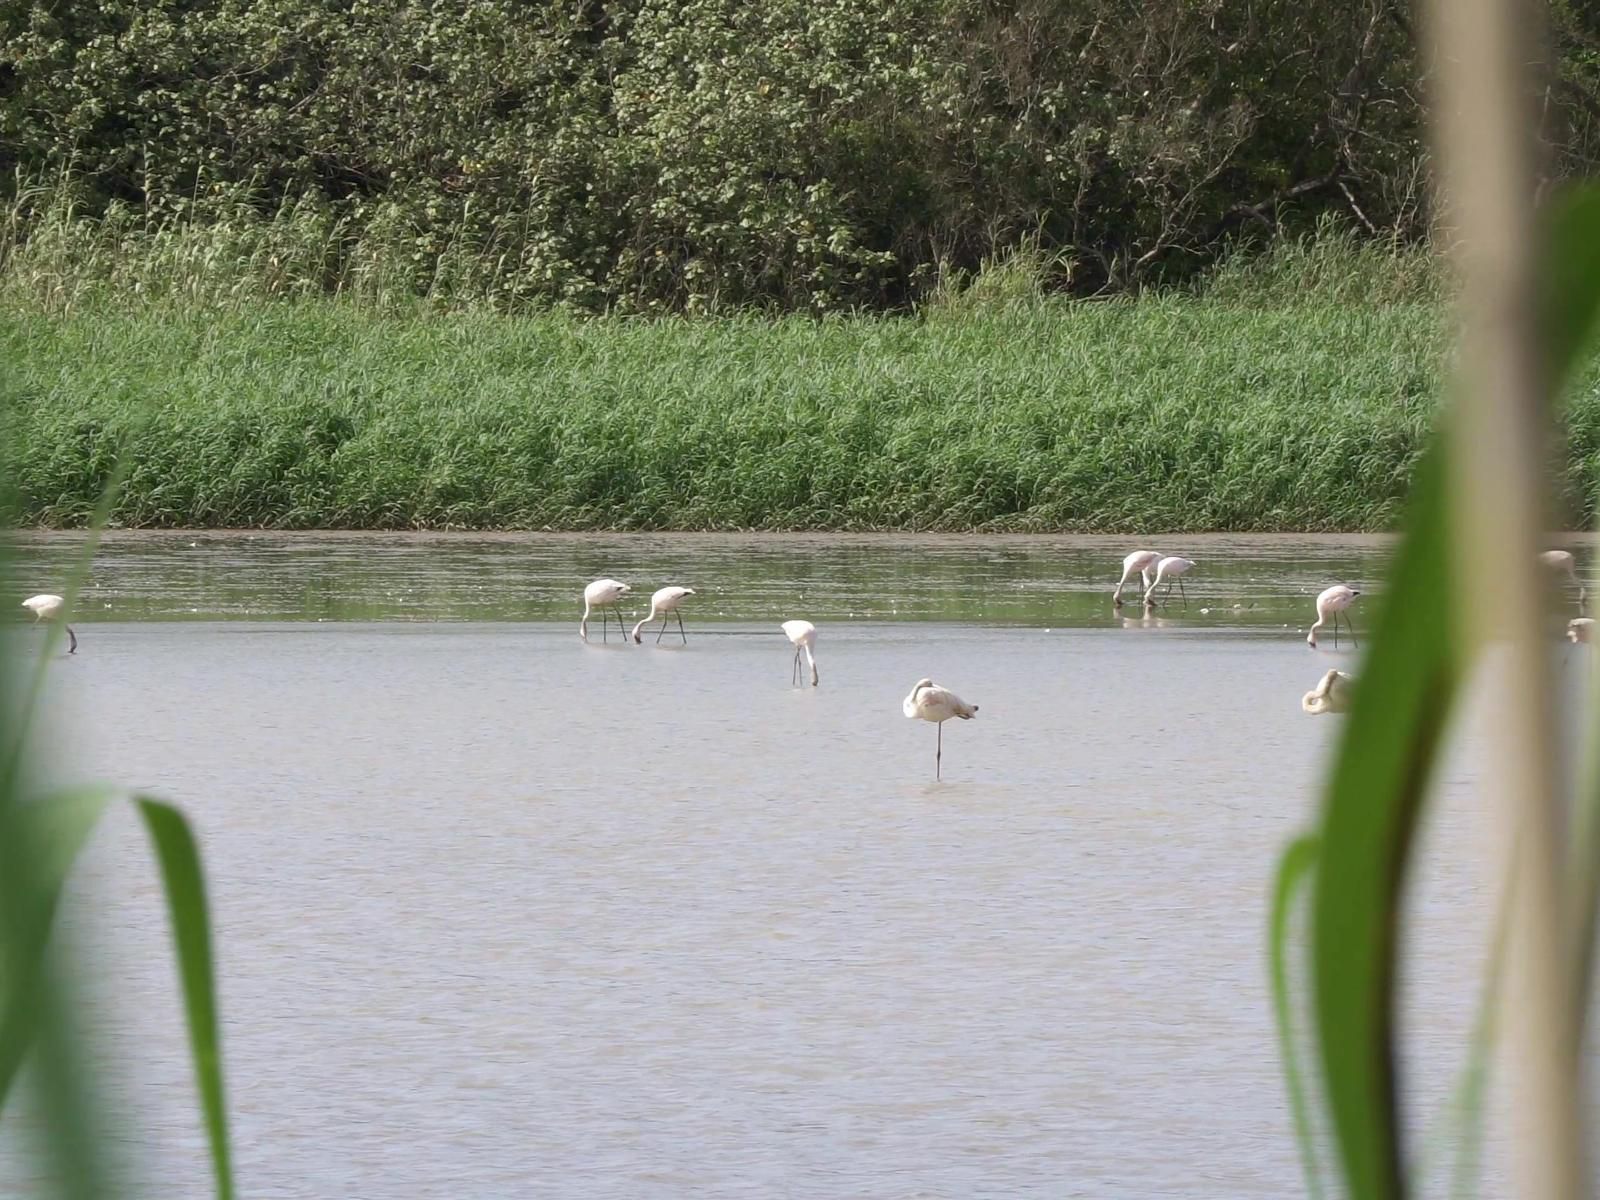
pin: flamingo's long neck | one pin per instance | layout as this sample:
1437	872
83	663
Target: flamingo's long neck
811	661
646	621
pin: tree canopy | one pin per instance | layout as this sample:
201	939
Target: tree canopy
665	155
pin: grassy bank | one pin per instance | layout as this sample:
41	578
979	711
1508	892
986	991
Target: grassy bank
1289	396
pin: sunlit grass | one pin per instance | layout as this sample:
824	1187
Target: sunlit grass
1159	414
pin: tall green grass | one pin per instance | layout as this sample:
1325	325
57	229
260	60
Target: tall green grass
1163	413
265	371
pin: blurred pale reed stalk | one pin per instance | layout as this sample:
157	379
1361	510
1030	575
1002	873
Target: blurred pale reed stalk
1487	53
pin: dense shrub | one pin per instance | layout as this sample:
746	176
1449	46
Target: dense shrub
641	155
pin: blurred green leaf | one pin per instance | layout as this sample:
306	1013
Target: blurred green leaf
185	887
1294	871
1386	756
59	828
55	832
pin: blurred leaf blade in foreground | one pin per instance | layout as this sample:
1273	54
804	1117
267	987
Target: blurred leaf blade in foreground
185	887
1386	756
54	833
1295	869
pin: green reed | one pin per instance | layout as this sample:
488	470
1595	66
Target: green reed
1261	411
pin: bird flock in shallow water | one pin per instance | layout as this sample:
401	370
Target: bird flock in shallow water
927	701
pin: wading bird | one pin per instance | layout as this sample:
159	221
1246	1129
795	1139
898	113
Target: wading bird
665	600
929	702
1330	603
1171	569
48	608
1331	695
804	636
1561	562
603	594
1580	629
1139	563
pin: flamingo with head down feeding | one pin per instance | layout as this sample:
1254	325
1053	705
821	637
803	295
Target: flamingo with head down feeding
663	603
1171	569
1140	563
804	636
603	594
48	607
1330	603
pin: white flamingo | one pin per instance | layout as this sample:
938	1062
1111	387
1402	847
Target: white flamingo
1172	570
664	601
1561	562
804	636
1580	629
1330	603
930	702
1139	563
1331	695
603	594
47	607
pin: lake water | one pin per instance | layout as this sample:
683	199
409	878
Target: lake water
500	914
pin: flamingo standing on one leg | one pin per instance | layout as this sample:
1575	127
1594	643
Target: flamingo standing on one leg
929	702
1139	563
804	636
1170	569
1331	695
1330	603
665	601
47	607
1561	562
603	594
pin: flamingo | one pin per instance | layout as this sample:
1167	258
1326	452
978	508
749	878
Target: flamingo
47	607
1139	563
804	636
1330	603
930	702
1331	695
664	601
603	594
1580	629
1561	562
1171	569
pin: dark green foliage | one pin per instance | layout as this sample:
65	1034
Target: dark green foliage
705	155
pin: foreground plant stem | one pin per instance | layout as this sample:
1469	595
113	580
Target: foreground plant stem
1484	129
